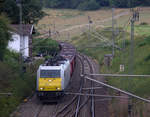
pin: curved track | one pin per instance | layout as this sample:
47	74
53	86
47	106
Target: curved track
70	105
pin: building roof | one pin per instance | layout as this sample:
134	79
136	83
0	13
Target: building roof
27	29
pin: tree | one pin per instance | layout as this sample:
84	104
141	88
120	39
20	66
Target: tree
11	9
31	9
103	2
88	5
53	3
1	5
45	46
75	3
4	35
146	2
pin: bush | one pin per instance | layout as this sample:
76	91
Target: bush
4	35
20	86
46	47
143	23
89	5
127	42
142	44
146	41
147	58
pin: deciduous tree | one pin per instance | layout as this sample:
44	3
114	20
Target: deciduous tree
31	10
4	35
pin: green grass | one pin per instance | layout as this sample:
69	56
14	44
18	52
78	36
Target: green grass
141	30
138	86
69	14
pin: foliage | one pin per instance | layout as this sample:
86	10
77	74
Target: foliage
147	58
143	23
31	10
45	46
79	4
4	35
21	86
89	5
52	3
93	4
141	59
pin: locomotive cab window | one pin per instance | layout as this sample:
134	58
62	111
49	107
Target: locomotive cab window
50	73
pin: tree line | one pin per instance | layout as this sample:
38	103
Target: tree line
93	4
10	14
31	10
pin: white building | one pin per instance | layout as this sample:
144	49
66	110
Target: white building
14	44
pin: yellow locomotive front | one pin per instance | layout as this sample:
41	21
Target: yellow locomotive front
52	80
49	82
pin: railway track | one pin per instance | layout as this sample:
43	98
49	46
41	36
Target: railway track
70	105
68	109
89	101
75	107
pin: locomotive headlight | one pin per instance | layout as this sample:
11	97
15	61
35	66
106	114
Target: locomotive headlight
41	88
58	88
50	80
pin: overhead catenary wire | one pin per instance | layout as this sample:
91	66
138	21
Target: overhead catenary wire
117	89
118	75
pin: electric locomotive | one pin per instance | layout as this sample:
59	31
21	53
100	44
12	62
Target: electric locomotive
54	75
53	78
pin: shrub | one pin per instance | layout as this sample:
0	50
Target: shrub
142	44
127	42
20	86
4	35
46	47
143	23
88	5
147	58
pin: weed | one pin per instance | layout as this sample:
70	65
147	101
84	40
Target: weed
147	58
141	44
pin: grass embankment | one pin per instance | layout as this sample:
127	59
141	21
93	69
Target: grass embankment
95	48
20	85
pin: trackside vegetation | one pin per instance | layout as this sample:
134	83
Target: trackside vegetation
4	35
93	4
97	49
45	47
21	86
